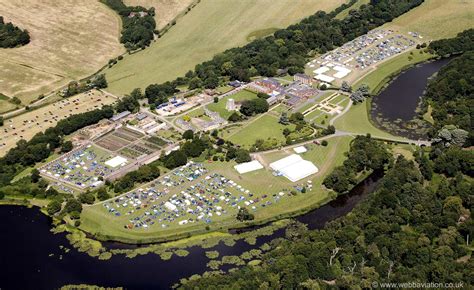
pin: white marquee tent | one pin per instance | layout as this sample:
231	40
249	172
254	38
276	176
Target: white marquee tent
116	161
294	167
248	166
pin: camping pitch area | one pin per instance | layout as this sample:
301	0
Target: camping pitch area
65	44
209	194
211	27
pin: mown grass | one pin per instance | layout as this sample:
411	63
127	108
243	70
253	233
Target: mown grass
238	97
264	127
211	27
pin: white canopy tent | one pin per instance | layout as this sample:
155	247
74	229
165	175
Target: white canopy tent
248	166
294	167
116	161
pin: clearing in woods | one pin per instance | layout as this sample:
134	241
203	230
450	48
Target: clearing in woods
166	10
436	19
211	27
65	45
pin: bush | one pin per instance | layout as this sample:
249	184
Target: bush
324	143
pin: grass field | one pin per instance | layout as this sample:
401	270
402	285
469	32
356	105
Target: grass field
26	125
356	120
436	19
211	27
65	44
96	218
166	10
264	127
238	97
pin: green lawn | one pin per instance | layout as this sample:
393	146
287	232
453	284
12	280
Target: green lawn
211	27
238	97
356	120
356	6
96	219
264	127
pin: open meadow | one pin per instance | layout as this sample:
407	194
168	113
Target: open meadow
436	19
166	10
66	45
211	27
191	198
26	125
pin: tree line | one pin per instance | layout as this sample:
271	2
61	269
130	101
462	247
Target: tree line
286	49
12	36
28	153
451	91
138	24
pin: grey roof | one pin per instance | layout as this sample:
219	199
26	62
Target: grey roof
120	115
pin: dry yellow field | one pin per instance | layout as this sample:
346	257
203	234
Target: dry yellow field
26	125
70	39
436	19
166	10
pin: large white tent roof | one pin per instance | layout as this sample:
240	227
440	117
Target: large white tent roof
299	170
248	166
300	149
294	167
280	164
116	161
324	78
321	70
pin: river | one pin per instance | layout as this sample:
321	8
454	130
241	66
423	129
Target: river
395	108
27	245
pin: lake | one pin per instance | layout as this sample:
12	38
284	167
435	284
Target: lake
27	245
395	108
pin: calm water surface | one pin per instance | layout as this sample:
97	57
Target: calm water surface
27	245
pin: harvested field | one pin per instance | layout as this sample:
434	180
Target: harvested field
437	19
166	10
211	27
26	125
65	44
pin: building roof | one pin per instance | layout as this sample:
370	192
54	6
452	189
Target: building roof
141	116
280	164
120	115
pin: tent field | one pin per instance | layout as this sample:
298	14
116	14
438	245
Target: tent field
208	194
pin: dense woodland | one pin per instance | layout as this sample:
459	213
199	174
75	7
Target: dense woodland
451	91
138	24
12	36
287	49
365	155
